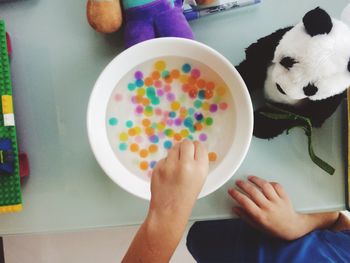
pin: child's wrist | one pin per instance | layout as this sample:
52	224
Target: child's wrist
320	220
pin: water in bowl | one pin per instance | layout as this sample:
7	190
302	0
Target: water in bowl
164	101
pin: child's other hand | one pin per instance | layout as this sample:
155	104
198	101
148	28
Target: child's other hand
178	179
267	207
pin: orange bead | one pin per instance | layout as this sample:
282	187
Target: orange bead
191	80
198	126
132	132
153	148
145	102
139	99
146	122
149	131
144	165
212	156
143	153
201	83
210	85
209	94
148	81
185	87
155	75
177	137
175	74
134	147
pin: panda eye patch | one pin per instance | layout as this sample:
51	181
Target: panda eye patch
288	62
349	66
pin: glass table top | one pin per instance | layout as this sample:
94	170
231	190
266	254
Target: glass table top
56	60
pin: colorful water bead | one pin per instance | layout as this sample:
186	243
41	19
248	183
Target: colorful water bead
160	65
149	89
138	75
168	144
153	148
129	124
203	137
143	165
123	146
212	156
134	147
143	153
113	121
152	164
186	68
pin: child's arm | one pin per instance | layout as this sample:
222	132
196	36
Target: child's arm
176	183
267	207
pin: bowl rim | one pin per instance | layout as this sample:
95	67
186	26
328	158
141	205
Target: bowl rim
94	97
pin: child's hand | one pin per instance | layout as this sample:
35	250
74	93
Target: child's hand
178	179
267	207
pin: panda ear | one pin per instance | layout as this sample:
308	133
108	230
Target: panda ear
349	65
317	22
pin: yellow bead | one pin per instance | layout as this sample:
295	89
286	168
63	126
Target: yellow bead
175	105
123	137
160	65
205	106
141	92
184	133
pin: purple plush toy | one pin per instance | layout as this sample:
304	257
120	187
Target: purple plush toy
143	19
157	18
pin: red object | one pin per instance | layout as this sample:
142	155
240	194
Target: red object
23	165
9	48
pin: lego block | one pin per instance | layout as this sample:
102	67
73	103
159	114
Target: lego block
7	105
10	189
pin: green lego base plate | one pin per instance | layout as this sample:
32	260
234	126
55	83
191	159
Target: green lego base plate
10	188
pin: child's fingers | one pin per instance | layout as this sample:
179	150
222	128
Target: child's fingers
268	190
200	153
254	193
280	190
244	216
248	205
173	154
159	165
187	150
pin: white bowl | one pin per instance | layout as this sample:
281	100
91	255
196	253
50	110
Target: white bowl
165	47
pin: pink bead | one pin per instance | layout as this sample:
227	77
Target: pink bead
158	84
195	73
138	139
167	88
158	111
139	109
223	106
170	122
118	97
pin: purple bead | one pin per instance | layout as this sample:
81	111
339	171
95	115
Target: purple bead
154	138
170	96
203	137
213	108
178	122
152	164
198	116
160	92
133	99
138	75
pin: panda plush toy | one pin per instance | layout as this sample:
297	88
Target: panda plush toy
303	70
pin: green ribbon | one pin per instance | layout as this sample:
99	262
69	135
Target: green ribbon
306	126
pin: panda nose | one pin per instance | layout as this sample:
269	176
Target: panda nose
310	90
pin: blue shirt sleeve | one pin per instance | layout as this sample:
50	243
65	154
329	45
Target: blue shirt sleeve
235	241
